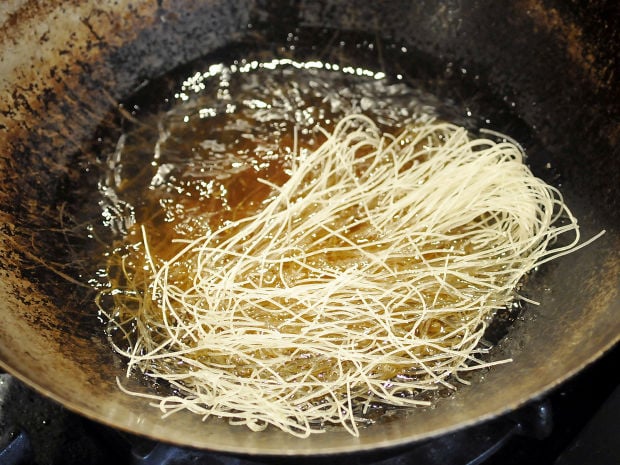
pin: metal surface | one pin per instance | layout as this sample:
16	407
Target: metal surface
63	64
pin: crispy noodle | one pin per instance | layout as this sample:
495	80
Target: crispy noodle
368	277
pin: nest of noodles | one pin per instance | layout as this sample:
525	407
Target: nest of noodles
368	277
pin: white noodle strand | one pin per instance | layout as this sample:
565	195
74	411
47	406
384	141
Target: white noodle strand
367	278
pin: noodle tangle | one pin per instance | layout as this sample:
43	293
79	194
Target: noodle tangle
366	278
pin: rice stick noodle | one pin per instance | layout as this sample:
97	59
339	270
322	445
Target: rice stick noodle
367	278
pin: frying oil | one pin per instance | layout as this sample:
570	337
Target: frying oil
191	147
195	166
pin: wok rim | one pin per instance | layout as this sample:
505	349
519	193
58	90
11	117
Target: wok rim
277	452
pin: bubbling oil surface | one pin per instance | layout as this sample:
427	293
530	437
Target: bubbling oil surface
195	167
208	154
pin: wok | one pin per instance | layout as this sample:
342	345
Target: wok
64	64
